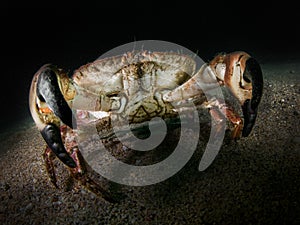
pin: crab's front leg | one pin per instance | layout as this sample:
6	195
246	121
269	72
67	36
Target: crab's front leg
242	74
237	71
202	88
49	108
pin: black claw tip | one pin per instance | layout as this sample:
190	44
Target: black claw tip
254	72
253	69
51	135
249	118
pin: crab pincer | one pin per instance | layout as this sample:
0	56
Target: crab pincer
48	106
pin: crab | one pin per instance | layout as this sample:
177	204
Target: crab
136	87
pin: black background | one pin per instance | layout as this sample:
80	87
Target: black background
74	34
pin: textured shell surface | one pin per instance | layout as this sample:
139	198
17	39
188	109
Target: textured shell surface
155	69
131	86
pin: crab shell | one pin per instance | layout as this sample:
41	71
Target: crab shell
138	86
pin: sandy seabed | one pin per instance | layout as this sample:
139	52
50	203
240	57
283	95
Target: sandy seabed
255	180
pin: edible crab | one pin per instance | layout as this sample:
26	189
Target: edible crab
136	86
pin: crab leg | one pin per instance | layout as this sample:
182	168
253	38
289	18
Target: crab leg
48	158
80	173
218	110
239	72
243	76
203	81
44	90
51	134
48	107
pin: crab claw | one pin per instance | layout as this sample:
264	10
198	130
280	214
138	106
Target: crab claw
51	135
243	76
48	90
44	93
250	106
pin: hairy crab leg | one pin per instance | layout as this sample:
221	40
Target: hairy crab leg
80	173
82	170
236	120
48	158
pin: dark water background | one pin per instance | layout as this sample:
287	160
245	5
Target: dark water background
73	35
